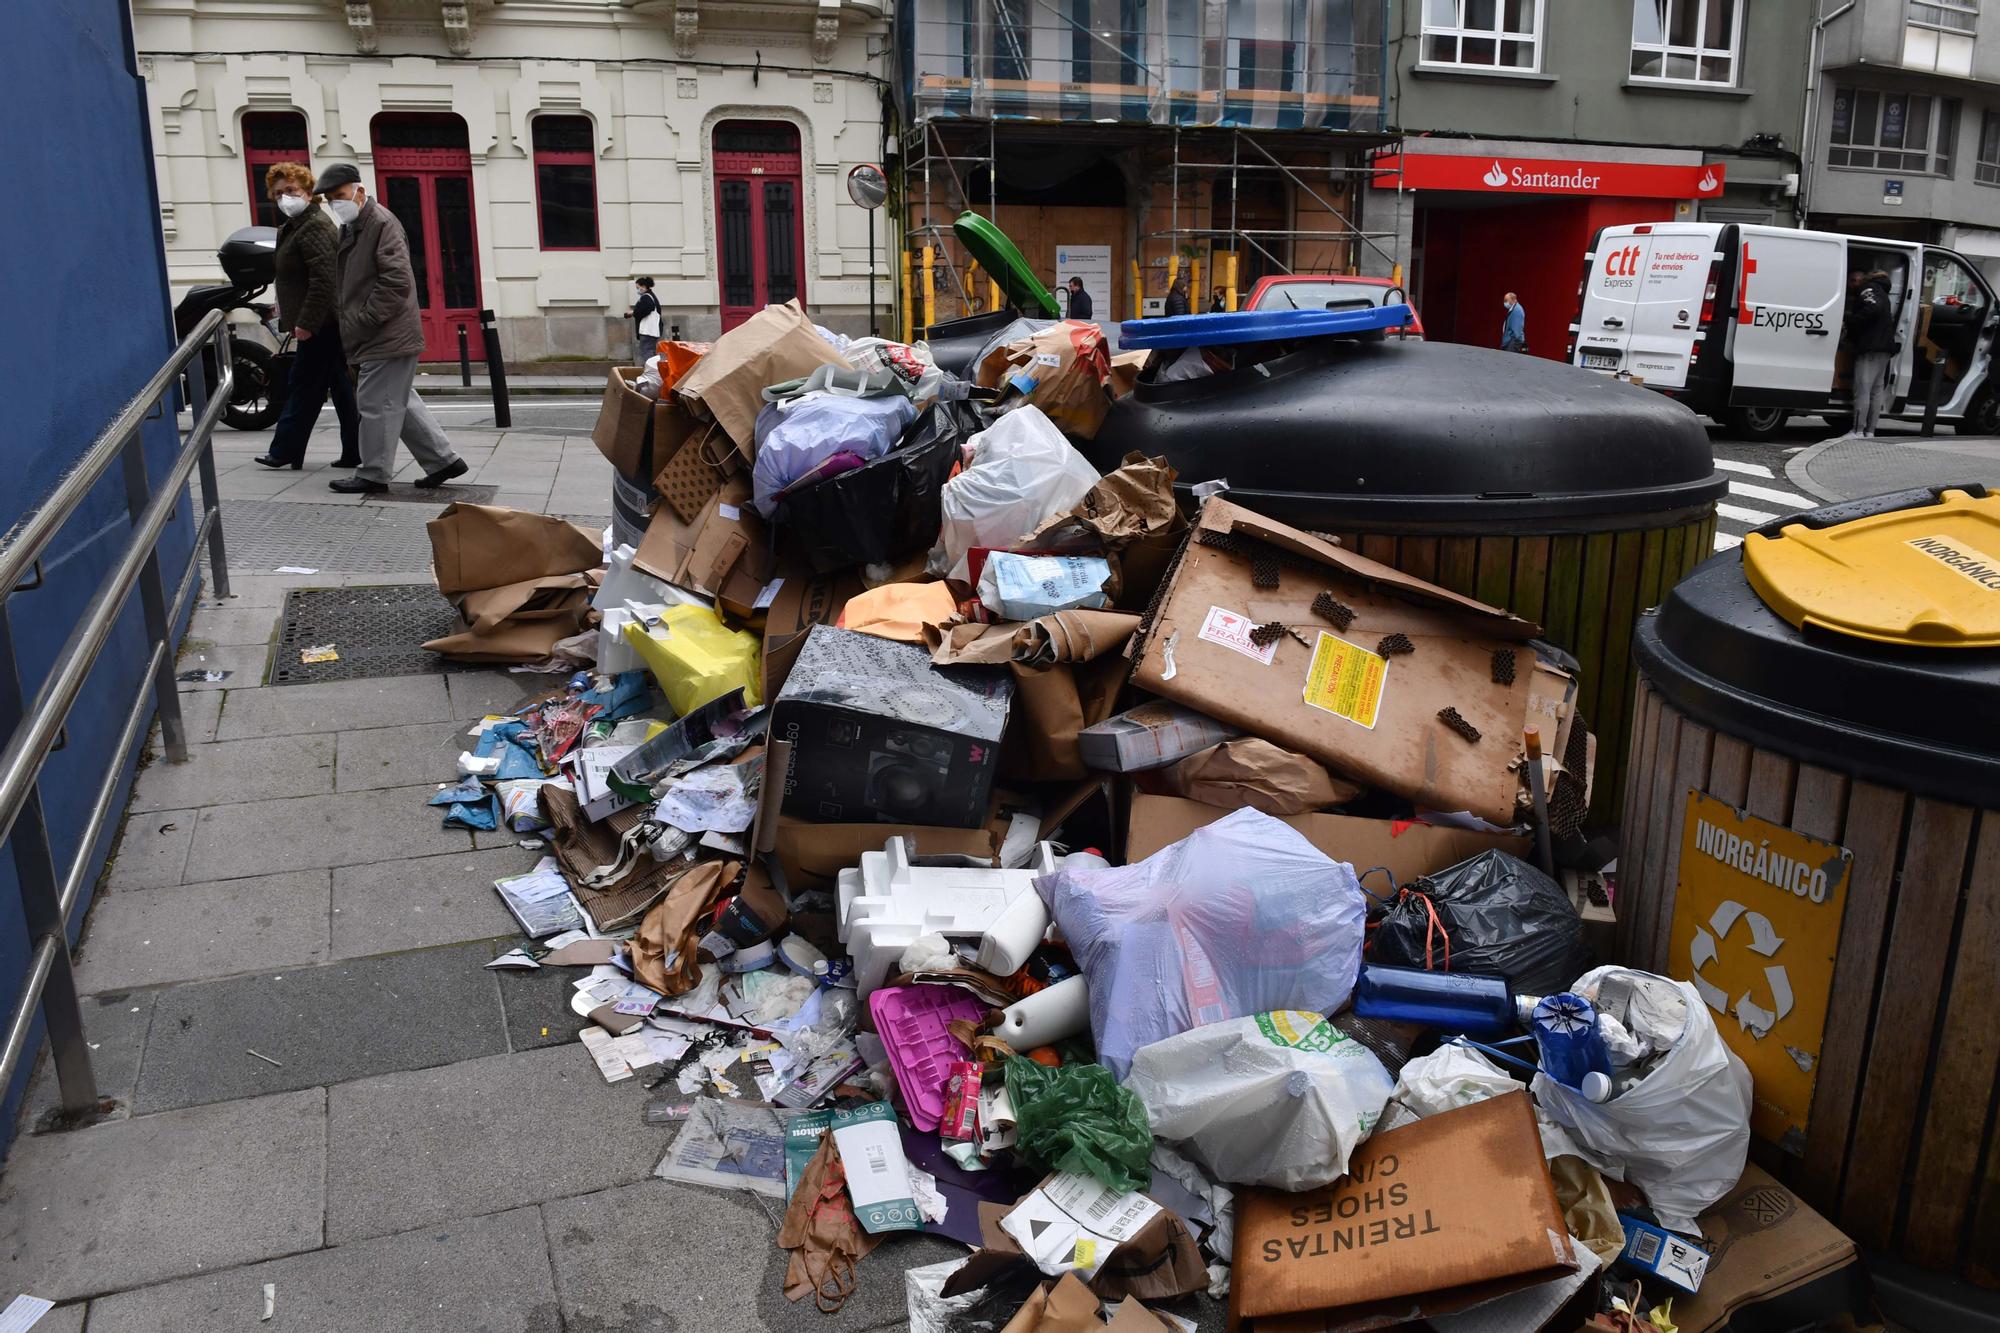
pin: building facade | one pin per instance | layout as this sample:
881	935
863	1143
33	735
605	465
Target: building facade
1128	142
541	153
1905	124
1528	124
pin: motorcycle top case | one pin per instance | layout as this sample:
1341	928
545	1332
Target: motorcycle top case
250	257
879	734
887	507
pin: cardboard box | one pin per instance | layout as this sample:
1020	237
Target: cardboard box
593	781
1152	735
1367	715
725	554
1455	1209
635	433
876	732
1657	1254
1405	850
1767	1246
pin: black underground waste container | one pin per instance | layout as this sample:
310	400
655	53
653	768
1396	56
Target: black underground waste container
1571	499
1812	837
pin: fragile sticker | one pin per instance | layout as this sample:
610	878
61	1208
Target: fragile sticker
1233	631
1346	680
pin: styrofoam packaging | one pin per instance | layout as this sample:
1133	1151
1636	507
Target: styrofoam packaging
1151	735
1014	934
1061	1010
888	901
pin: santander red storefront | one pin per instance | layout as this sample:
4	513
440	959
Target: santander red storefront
1486	225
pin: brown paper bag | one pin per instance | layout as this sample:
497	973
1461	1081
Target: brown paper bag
522	622
1067	365
822	1233
668	929
1068	668
726	386
484	546
1255	773
1131	514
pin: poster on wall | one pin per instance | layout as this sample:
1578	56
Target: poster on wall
1092	263
1756	924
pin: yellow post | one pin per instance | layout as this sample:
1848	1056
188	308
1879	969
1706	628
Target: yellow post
1229	283
971	286
1173	268
930	287
999	300
909	309
1194	286
1396	275
1138	293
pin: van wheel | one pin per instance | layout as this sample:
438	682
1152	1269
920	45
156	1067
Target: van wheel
1983	416
1756	423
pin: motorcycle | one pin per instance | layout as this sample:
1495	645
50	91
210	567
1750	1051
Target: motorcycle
257	391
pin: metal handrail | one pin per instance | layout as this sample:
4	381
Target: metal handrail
47	897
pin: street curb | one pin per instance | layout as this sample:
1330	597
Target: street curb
1795	470
527	391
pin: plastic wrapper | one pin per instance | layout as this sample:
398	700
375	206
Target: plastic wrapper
1278	1099
1448	1078
888	507
915	372
1241	917
1676	1128
1023	472
1500	916
1026	587
1076	1118
794	438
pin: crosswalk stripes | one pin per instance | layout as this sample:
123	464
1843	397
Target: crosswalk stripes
1754	499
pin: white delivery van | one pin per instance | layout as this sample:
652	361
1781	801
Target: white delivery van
1743	323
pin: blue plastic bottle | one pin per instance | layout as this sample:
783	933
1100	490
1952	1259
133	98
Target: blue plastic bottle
1450	1001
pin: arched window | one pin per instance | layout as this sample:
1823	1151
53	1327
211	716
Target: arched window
271	136
565	182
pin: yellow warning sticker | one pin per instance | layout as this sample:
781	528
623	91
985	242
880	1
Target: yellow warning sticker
1346	680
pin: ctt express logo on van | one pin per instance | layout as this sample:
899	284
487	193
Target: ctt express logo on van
1763	316
1623	262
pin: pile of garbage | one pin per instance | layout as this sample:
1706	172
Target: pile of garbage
950	838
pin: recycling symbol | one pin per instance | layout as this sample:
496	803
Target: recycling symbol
1754	1018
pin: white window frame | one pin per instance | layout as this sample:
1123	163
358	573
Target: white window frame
1986	171
1496	35
1933	14
1935	151
1703	49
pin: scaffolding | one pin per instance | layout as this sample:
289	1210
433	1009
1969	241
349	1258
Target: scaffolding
972	91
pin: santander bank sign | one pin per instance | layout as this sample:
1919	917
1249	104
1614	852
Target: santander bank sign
1523	175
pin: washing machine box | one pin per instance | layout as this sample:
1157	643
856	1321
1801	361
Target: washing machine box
878	733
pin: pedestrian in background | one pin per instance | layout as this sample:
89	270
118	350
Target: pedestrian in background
1216	305
1177	295
645	313
1514	327
384	335
1079	300
307	270
1870	321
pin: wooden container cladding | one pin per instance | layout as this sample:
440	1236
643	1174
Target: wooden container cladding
1902	1147
1586	590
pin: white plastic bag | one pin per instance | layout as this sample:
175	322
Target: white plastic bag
1023	471
1241	917
1679	1134
1027	587
1448	1078
648	383
1278	1099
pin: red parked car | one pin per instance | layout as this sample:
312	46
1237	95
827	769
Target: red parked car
1318	291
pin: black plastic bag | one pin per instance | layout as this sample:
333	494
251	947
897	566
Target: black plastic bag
1496	916
887	507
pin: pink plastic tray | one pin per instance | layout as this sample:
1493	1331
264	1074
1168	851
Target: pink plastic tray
911	1022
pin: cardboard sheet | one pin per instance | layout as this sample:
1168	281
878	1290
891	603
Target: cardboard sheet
1767	1244
1330	692
486	546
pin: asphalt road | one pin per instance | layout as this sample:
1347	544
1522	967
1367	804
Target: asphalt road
1758	490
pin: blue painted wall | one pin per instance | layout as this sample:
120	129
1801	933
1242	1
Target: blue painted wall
84	322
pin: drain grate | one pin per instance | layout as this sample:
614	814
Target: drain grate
377	631
439	496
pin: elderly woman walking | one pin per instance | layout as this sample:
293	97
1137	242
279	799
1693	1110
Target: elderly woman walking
308	245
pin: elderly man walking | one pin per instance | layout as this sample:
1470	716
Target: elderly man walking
383	335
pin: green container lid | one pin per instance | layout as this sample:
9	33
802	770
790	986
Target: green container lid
999	257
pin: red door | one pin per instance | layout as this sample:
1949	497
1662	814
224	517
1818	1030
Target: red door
423	172
759	229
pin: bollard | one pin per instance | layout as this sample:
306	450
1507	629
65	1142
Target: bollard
464	360
496	371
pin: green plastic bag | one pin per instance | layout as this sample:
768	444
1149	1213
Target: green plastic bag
1078	1119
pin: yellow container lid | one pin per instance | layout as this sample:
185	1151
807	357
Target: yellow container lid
1924	575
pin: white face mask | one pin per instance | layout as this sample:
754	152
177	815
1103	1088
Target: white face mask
291	205
345	209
